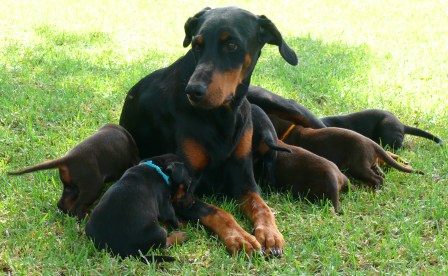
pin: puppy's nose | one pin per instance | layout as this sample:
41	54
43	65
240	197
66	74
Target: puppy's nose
196	92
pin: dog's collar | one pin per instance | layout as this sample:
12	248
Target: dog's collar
287	132
158	169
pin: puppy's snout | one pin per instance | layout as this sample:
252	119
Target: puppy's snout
196	92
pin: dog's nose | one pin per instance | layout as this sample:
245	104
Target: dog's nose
196	92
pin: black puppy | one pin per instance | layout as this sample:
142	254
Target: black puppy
125	221
381	126
264	143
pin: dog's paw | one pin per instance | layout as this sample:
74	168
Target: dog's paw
241	242
271	240
176	237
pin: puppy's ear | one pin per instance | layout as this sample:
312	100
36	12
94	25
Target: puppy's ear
271	35
190	26
178	172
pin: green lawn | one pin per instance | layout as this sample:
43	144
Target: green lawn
66	66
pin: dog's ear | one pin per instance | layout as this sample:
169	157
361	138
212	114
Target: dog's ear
178	172
271	35
190	26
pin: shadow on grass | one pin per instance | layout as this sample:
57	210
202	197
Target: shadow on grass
68	74
70	67
328	75
62	86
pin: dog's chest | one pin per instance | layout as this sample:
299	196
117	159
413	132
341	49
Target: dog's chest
216	133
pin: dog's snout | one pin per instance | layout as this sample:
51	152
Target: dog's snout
196	92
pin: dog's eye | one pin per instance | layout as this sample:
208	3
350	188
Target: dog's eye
231	47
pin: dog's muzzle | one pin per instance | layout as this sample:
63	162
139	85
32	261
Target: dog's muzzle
195	93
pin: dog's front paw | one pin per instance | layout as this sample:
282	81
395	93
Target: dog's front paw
271	240
241	241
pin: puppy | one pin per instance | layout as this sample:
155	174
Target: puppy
350	151
125	221
379	125
100	158
264	140
307	174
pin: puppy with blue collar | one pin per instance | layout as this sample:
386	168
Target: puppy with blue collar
126	220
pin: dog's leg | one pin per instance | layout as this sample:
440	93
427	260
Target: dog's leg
222	224
251	204
378	170
89	192
368	176
265	228
397	158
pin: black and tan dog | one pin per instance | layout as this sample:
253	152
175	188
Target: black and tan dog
381	126
350	151
307	174
102	157
197	108
125	221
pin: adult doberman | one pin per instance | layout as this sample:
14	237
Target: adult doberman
197	108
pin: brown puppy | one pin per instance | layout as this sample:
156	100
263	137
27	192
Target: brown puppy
307	174
350	151
102	157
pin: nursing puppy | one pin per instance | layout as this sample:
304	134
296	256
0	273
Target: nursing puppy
309	175
100	158
350	151
264	141
381	126
125	221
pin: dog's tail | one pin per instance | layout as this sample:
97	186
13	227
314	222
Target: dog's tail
156	259
421	133
275	147
272	142
382	154
51	164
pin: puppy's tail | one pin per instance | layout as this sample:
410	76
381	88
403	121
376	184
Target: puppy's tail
421	133
272	143
156	259
382	154
51	164
278	148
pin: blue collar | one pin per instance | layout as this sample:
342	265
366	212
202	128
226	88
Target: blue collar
159	170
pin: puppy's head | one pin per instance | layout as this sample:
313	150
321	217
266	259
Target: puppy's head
68	198
180	180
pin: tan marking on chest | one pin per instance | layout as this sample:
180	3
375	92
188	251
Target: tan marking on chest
243	149
195	154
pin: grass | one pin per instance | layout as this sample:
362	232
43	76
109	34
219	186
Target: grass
65	67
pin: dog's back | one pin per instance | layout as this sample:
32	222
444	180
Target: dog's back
381	126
